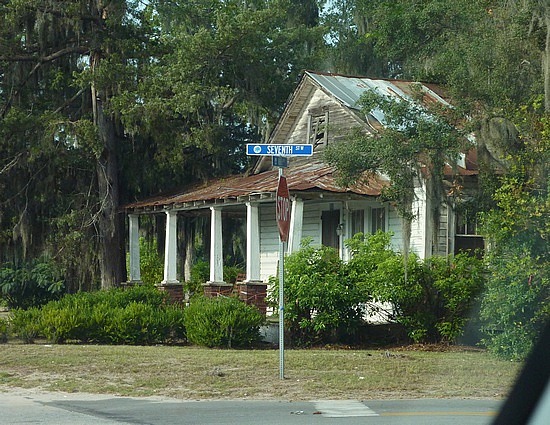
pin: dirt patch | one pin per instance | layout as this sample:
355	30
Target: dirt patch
440	348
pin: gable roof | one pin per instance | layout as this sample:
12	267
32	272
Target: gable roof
348	90
308	177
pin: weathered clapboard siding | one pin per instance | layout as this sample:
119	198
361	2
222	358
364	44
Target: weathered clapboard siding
269	242
340	118
312	224
395	225
443	243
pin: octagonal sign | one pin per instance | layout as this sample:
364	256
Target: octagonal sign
283	209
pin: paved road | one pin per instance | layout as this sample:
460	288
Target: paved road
86	409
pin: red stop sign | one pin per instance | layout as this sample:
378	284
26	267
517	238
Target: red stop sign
283	209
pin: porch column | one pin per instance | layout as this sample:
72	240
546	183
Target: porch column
133	236
253	291
252	243
170	249
296	222
216	247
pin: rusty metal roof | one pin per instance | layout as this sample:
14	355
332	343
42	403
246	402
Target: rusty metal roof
348	90
305	176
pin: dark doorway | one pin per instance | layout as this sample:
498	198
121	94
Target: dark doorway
329	222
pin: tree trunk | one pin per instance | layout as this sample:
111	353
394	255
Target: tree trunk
110	223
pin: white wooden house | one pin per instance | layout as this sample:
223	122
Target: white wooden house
321	111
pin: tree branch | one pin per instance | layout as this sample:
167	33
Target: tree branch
44	59
40	62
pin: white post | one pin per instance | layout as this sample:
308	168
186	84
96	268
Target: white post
133	236
170	248
216	246
252	243
296	223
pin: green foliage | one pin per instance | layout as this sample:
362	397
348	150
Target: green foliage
3	331
200	273
321	301
231	273
25	324
470	46
434	302
139	315
31	284
516	305
458	283
222	322
416	143
414	137
151	265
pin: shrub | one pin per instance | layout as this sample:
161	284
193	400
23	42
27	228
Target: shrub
151	264
139	315
26	324
515	306
31	284
200	273
140	324
458	282
231	273
433	302
325	299
321	302
222	322
3	331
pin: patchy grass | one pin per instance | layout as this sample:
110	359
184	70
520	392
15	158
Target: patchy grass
197	373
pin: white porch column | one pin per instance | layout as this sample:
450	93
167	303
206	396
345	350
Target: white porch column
133	236
252	243
216	246
170	248
296	222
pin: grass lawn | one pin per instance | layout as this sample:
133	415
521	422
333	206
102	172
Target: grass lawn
198	373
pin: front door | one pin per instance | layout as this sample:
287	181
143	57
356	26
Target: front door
329	222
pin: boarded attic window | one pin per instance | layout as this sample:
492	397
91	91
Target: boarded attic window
318	127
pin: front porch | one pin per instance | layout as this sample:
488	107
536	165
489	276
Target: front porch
320	210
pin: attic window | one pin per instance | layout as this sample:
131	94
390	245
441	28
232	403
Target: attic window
318	127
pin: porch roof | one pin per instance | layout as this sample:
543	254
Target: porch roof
307	178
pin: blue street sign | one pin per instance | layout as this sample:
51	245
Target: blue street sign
267	149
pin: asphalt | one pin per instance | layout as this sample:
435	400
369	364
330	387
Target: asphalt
30	407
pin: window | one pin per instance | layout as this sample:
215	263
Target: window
466	238
357	222
466	224
318	128
378	219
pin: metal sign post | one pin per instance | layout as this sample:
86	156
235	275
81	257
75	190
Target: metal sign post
279	154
